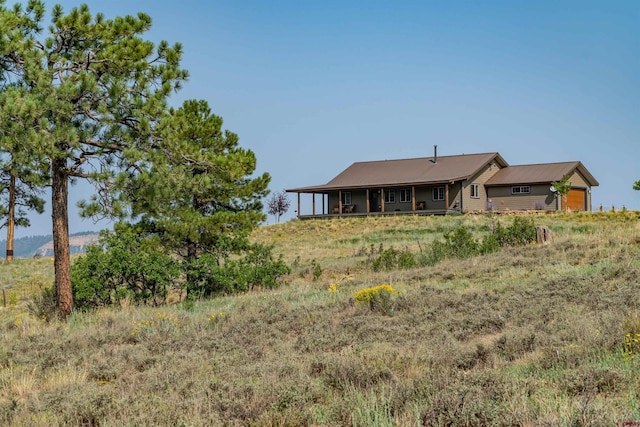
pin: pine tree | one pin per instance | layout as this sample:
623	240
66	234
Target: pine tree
101	88
22	175
199	194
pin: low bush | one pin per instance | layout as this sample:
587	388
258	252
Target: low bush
44	304
393	258
257	268
378	298
123	265
460	243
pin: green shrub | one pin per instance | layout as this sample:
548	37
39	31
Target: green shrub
378	298
459	243
316	270
123	264
207	276
522	231
260	268
393	258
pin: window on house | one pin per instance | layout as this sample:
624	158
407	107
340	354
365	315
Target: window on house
438	193
521	189
390	196
346	197
475	191
405	195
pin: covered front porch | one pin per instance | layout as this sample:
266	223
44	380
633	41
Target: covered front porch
435	199
425	212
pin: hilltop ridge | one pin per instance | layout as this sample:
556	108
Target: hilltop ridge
27	247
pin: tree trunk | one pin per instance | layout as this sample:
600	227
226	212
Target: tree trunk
60	219
11	217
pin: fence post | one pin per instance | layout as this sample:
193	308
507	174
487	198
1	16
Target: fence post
543	235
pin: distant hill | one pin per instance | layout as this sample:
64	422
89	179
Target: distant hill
27	247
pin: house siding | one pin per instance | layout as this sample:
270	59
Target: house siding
473	204
358	198
540	198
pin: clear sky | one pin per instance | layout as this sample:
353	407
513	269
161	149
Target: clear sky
312	87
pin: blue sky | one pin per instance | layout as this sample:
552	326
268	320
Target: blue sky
312	87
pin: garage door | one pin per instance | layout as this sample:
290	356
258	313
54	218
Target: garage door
577	200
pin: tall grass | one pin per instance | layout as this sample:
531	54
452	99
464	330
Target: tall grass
531	335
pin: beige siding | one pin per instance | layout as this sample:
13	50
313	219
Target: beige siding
539	198
577	180
454	195
480	178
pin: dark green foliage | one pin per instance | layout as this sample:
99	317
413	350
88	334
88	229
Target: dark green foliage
123	265
260	268
213	202
257	268
460	243
130	264
522	231
636	185
393	258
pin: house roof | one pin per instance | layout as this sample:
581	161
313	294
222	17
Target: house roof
542	173
423	170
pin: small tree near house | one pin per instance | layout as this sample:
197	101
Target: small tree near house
278	204
636	185
562	189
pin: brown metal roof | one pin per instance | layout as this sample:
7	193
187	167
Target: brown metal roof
538	174
407	172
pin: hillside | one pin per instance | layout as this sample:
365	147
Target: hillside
531	335
26	247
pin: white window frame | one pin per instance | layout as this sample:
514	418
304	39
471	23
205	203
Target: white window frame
346	198
437	194
475	191
405	195
521	189
390	196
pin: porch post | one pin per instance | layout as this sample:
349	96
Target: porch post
382	199
413	198
339	201
368	203
298	205
446	196
313	203
323	211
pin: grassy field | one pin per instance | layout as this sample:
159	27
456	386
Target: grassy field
543	335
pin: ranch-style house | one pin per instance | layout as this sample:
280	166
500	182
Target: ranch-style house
448	184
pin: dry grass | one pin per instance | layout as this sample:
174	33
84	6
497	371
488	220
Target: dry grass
528	336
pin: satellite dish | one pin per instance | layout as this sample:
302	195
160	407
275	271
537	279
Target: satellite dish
552	189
